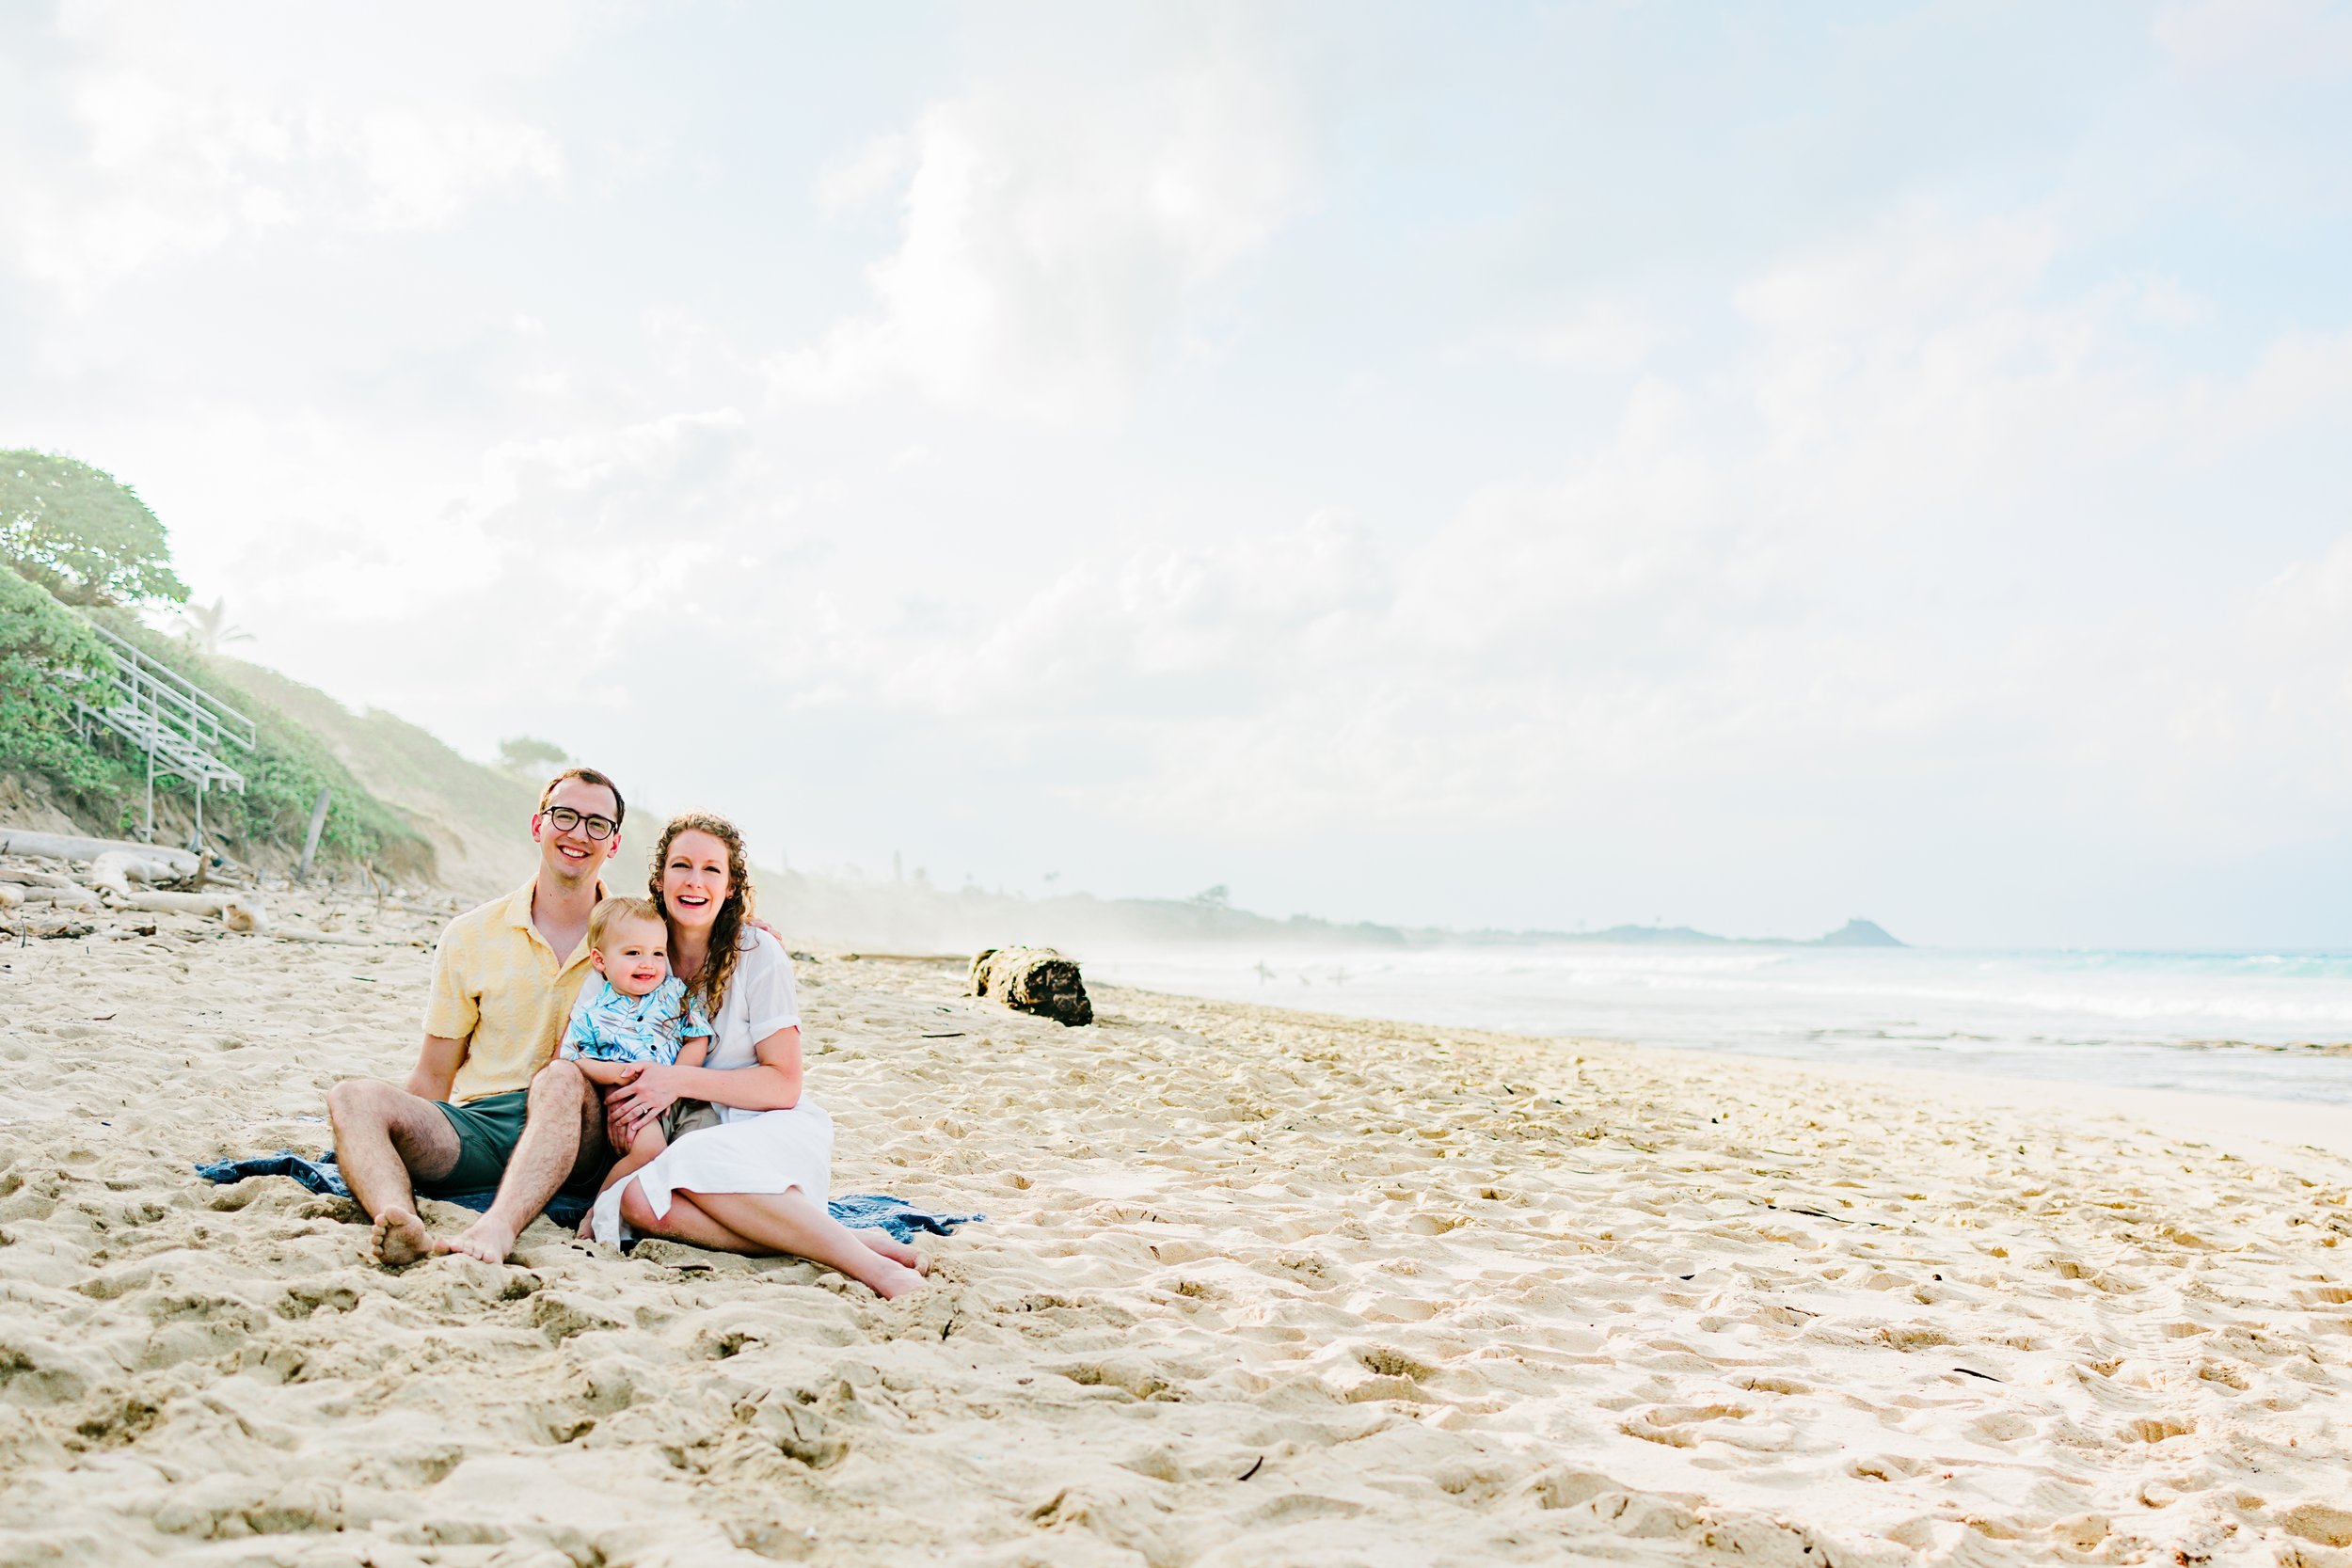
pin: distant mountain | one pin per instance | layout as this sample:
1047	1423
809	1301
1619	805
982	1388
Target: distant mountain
1858	933
907	917
1853	933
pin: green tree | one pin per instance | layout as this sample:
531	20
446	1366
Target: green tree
48	657
82	533
524	754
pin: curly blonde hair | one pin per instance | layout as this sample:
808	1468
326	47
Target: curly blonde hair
610	911
709	988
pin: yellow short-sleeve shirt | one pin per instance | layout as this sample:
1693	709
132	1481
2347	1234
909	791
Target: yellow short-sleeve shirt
499	987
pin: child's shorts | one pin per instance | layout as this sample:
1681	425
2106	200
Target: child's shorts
684	1116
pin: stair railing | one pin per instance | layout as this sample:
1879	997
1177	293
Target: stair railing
183	730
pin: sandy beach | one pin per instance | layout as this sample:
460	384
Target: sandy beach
1256	1288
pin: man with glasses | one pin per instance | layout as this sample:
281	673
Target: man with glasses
488	1106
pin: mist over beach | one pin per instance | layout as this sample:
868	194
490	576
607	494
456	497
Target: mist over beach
1175	788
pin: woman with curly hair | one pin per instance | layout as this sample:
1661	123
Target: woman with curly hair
752	1173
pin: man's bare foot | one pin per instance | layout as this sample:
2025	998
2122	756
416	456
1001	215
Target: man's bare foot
398	1240
895	1250
484	1238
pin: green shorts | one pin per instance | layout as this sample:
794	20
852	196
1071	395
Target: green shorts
487	1131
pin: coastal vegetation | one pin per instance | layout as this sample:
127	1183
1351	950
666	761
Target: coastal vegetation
83	534
85	552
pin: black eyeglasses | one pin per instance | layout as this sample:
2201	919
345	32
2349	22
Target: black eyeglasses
563	819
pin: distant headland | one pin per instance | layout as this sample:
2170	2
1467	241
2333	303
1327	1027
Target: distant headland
915	915
1853	933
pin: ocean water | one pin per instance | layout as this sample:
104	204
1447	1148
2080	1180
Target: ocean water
2274	1025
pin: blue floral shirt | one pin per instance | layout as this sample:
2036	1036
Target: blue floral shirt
609	1026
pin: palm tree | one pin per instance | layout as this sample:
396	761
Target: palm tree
206	627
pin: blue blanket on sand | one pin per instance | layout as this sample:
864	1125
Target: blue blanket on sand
859	1211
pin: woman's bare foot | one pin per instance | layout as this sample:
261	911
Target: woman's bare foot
890	1280
587	1232
895	1250
485	1238
398	1240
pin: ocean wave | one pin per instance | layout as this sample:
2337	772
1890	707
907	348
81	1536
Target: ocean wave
2265	1023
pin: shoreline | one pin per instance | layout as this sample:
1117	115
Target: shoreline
2278	1128
2281	1127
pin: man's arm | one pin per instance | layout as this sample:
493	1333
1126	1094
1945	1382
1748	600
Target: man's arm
437	1067
452	1011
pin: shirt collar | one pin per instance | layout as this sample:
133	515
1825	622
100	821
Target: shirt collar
518	915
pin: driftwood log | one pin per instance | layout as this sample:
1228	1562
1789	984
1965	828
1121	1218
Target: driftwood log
68	898
33	877
116	870
65	847
1033	980
213	904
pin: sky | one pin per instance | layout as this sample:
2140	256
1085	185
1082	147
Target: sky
1523	466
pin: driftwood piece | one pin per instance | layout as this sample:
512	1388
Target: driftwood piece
116	870
35	877
64	847
68	896
175	903
1033	980
310	839
337	938
50	929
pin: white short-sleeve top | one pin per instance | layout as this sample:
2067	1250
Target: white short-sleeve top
759	1002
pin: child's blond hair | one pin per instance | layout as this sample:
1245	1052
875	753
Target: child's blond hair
610	911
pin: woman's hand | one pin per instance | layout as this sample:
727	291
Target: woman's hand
619	1130
643	1095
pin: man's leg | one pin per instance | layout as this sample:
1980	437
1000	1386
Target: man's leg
385	1139
554	1127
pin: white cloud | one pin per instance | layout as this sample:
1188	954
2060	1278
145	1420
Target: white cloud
1051	237
419	169
1208	628
1909	274
2301	380
1833	563
621	468
2258	38
1600	334
174	159
878	170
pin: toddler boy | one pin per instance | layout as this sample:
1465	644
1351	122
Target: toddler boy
638	1014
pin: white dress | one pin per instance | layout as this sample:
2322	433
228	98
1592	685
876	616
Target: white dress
749	1152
